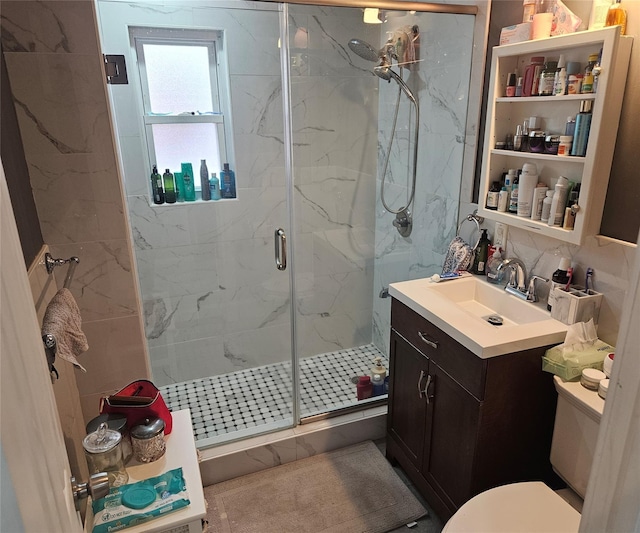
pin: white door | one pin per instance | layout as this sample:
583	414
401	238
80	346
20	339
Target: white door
36	491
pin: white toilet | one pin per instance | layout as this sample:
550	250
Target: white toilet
532	506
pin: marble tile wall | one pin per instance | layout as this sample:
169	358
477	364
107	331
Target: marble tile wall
55	70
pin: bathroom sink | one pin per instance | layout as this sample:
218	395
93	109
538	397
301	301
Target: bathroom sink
469	308
481	299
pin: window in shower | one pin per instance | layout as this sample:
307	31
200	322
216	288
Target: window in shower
185	97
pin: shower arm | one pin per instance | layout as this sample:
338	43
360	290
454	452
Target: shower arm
402	87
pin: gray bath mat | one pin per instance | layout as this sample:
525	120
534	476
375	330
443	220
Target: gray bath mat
351	490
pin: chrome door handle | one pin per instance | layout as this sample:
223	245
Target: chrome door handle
433	344
281	249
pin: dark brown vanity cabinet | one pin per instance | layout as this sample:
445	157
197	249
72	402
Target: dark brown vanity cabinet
459	424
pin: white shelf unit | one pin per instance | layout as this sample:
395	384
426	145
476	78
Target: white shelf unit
505	113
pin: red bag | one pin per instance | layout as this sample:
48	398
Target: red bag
139	400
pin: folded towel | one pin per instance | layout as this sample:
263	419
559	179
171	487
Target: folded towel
459	256
62	320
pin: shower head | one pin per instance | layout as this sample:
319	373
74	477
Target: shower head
364	50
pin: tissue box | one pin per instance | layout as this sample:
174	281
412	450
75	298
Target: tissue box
516	33
576	305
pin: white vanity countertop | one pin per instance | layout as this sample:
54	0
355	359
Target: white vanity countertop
473	332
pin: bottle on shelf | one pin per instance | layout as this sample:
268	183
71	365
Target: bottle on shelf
583	125
169	187
546	206
539	195
228	182
513	198
558	202
547	78
214	187
526	185
532	75
481	254
559	279
511	84
493	196
519	84
156	186
587	80
617	16
524	145
560	78
204	180
503	200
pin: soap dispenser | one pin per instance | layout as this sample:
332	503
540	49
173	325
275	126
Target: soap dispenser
378	369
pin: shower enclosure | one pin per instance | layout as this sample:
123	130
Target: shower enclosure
248	340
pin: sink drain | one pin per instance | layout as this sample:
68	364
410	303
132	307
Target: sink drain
495	320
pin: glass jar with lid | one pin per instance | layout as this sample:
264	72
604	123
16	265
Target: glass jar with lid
103	451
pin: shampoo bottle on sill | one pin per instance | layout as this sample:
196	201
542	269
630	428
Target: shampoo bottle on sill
204	180
189	187
228	182
156	186
169	187
214	187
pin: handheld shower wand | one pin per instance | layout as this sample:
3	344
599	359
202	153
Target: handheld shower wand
386	55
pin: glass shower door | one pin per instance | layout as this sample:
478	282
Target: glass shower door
334	107
213	281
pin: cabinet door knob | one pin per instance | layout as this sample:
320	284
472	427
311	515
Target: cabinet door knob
420	383
433	344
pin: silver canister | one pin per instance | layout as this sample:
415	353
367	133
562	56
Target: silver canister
147	440
103	451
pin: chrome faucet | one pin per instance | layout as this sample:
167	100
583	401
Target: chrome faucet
517	283
518	275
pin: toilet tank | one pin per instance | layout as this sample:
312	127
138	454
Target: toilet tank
575	433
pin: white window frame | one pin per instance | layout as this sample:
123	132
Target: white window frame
218	74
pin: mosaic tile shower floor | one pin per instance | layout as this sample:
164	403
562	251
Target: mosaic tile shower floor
244	401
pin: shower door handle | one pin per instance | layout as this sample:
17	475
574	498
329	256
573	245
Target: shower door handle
281	249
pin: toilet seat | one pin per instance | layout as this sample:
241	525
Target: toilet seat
528	507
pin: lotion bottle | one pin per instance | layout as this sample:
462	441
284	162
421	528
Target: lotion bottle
558	202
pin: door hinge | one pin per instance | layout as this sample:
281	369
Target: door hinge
115	69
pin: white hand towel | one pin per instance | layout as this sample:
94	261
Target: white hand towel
62	320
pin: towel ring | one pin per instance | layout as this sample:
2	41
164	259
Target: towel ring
472	218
